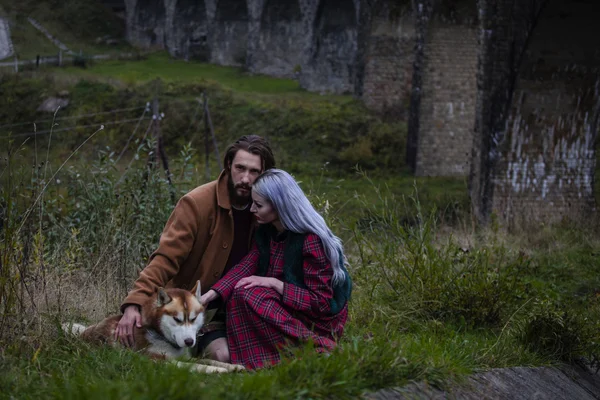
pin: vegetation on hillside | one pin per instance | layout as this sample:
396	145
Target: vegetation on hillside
304	128
81	210
82	25
432	301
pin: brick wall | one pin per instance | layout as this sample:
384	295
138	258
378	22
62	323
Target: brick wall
447	112
546	170
388	64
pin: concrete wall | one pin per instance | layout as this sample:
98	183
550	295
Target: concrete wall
146	23
187	30
330	65
281	39
230	32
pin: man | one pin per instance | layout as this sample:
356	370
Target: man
209	231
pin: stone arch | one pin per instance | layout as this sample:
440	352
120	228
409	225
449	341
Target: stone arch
149	21
230	32
331	65
190	30
281	39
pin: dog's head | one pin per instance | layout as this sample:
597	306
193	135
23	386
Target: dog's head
179	314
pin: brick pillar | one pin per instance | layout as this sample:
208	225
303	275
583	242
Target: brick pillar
545	171
505	28
423	10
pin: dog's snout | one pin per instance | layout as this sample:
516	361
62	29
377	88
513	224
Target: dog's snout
189	342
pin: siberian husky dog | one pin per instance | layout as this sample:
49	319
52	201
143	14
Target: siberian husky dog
171	319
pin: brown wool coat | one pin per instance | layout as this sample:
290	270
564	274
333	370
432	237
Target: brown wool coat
194	244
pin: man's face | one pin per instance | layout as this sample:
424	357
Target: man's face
245	168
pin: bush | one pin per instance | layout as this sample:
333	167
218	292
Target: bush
302	133
97	220
478	287
559	332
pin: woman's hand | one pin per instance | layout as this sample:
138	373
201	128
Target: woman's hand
262	281
208	297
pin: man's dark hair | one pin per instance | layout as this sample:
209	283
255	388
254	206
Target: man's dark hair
253	144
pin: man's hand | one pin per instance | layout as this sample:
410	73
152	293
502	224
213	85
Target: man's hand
124	331
208	297
262	281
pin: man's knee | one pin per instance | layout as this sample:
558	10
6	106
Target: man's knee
218	350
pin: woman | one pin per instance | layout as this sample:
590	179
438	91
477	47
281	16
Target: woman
292	287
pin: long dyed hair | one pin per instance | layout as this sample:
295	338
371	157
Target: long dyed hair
298	215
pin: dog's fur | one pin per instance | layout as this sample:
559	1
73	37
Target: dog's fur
171	319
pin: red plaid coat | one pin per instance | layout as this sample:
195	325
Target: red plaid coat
260	321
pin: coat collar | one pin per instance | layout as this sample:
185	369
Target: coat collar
223	191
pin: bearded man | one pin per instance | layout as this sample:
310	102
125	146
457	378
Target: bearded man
209	231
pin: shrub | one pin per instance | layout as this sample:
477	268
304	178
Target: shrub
478	287
97	220
559	331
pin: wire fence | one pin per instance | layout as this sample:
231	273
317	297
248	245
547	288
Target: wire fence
119	110
150	113
53	129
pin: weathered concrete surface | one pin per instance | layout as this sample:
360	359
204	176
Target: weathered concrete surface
6	47
186	34
280	45
230	33
330	66
520	383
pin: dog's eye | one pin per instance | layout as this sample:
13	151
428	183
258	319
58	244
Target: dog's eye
192	319
177	320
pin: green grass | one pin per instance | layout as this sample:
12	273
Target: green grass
433	327
24	35
433	299
367	359
76	23
161	65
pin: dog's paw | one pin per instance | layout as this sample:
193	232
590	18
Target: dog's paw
202	368
229	367
236	368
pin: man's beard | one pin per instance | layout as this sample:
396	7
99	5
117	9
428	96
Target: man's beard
233	195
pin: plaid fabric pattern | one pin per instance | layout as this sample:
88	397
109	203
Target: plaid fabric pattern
260	321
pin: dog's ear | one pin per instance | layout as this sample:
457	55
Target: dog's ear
162	298
197	290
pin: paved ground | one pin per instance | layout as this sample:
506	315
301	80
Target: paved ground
6	47
521	383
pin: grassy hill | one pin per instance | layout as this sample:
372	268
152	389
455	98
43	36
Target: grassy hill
434	297
76	23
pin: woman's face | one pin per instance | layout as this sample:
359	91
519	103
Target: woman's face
263	210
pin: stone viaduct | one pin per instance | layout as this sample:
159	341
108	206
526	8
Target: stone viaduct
505	92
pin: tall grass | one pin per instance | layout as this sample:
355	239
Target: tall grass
91	228
426	306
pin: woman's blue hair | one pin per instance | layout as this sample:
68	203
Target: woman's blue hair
298	215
